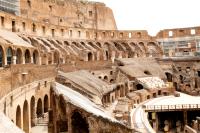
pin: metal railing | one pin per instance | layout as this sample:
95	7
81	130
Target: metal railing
171	107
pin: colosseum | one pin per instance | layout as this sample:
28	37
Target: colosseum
66	68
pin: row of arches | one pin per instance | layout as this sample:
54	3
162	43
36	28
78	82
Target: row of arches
22	114
17	56
73	120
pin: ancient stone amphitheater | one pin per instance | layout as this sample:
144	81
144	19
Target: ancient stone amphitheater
65	68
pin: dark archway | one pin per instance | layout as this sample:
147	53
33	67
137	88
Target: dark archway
79	124
139	87
9	55
26	117
32	108
105	78
107	55
169	76
18	117
90	56
19	56
27	56
46	103
39	108
35	57
1	56
147	72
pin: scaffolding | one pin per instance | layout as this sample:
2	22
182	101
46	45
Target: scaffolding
10	6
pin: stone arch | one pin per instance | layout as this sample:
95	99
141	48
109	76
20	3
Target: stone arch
9	55
56	57
66	43
169	76
139	87
26	117
137	50
142	46
39	111
154	50
32	111
46	103
79	123
107	47
33	27
99	44
19	56
128	49
77	45
90	56
2	56
105	78
27	56
35	57
119	47
93	45
18	117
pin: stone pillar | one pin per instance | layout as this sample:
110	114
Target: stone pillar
14	60
93	126
155	121
40	61
68	113
32	59
185	117
5	61
23	60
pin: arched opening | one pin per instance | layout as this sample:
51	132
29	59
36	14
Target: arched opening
25	117
107	55
1	57
35	57
18	117
27	56
99	44
79	124
33	27
139	87
169	76
147	72
90	56
181	78
32	108
39	108
56	57
19	56
46	104
176	86
9	55
105	78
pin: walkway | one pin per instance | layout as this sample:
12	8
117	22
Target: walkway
139	116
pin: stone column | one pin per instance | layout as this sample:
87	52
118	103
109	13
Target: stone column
68	112
40	61
155	121
23	60
93	126
5	61
14	58
32	59
185	117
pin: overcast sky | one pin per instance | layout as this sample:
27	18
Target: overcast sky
154	15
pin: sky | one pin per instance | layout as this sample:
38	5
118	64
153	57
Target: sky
154	15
